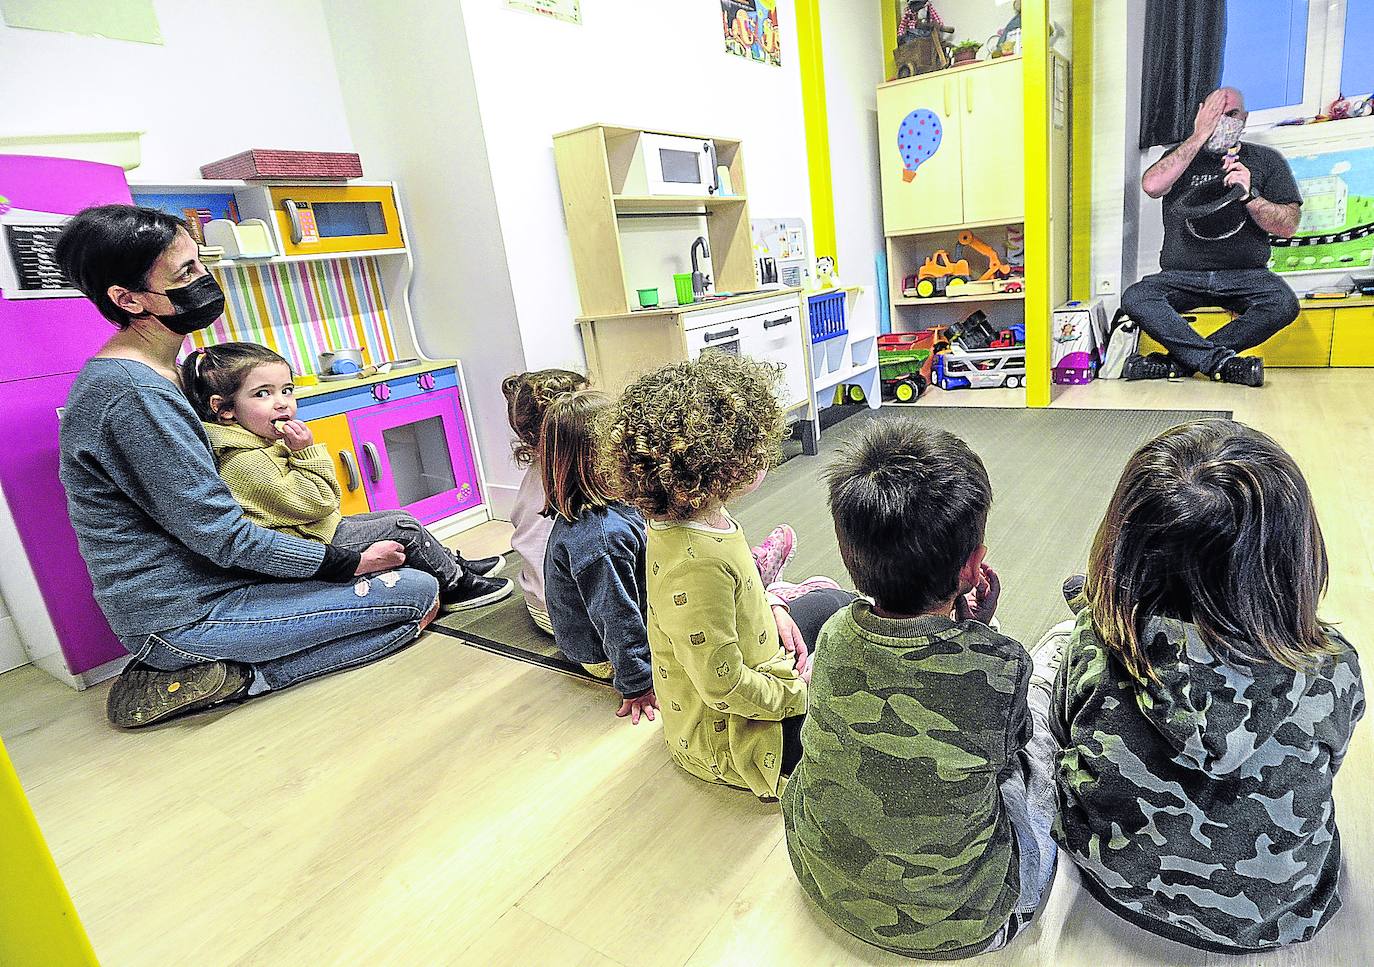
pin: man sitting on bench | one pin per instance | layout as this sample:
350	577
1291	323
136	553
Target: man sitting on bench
1222	200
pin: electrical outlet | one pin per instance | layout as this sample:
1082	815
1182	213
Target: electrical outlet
1107	284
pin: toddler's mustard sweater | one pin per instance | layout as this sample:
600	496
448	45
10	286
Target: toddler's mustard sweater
294	492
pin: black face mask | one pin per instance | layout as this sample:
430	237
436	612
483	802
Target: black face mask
197	305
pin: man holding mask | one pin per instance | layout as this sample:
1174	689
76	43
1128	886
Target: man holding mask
1223	198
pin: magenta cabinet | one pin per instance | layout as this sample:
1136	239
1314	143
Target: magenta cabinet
43	342
415	454
28	477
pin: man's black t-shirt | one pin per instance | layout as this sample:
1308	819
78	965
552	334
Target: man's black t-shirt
1249	247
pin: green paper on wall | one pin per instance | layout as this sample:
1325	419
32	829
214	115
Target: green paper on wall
116	19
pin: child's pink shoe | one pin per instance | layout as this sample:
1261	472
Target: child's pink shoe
773	554
790	592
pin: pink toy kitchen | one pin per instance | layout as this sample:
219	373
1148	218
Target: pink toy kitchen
318	271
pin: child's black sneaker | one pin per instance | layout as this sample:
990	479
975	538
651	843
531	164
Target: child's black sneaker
483	566
1153	366
1245	370
474	591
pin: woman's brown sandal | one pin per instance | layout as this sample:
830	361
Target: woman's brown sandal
142	696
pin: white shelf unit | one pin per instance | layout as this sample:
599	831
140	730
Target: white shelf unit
850	359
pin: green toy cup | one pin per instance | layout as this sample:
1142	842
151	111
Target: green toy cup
648	298
682	284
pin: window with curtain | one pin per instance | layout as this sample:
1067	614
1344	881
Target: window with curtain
1292	58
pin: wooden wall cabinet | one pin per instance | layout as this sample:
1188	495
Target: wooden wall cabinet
974	175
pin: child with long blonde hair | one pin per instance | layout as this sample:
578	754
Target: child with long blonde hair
594	562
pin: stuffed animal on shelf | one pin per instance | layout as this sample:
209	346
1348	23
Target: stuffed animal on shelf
921	34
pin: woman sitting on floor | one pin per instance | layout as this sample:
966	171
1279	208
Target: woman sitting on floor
212	607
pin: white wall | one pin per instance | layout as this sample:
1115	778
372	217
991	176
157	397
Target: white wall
852	51
411	102
661	66
282	92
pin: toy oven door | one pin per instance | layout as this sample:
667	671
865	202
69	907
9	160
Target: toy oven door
415	455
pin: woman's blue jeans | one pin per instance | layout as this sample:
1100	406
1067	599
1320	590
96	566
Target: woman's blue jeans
290	631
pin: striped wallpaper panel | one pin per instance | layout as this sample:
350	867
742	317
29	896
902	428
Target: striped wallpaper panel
301	309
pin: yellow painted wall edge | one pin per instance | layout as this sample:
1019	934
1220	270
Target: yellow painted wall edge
1036	66
38	922
817	122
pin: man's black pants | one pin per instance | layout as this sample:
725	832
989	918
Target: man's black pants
1264	303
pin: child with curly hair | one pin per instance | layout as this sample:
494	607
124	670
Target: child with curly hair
730	661
528	398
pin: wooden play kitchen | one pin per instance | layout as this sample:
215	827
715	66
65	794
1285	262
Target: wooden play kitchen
633	199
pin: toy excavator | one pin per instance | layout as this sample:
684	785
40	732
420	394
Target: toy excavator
940	274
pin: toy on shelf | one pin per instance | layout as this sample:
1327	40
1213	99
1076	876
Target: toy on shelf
1007	41
938	275
904	361
955	369
950	276
1014	335
974	333
921	46
997	269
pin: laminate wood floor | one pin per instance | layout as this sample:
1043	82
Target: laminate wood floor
448	806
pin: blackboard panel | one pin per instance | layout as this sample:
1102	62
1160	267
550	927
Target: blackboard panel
35	263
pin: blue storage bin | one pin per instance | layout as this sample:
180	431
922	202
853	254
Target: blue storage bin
827	316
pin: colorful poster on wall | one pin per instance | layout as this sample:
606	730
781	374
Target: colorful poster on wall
566	10
1337	228
751	30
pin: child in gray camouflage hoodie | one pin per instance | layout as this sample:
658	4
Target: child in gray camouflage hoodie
1201	705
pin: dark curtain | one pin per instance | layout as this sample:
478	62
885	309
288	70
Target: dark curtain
1184	41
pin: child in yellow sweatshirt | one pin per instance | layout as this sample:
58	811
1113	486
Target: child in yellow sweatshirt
284	480
730	656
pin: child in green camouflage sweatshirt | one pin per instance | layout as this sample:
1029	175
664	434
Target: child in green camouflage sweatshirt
1202	706
919	816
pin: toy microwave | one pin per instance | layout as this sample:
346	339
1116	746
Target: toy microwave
670	164
328	219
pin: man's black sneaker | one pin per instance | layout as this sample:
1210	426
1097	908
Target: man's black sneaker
483	566
1153	366
1246	370
473	591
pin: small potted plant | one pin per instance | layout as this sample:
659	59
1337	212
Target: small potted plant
966	52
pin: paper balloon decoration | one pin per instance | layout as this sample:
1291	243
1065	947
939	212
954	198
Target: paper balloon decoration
919	138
